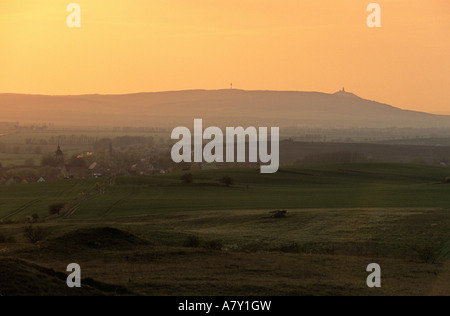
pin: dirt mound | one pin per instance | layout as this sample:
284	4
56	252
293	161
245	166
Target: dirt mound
99	238
20	278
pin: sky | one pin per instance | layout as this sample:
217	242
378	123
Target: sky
160	45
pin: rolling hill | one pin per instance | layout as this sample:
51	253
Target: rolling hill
155	236
216	107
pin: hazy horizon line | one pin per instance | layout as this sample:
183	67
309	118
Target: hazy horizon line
165	91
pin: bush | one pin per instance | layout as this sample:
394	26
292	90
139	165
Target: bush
192	241
279	214
35	217
427	254
214	244
55	208
228	181
187	178
34	234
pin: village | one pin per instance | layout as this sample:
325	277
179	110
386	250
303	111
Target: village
56	167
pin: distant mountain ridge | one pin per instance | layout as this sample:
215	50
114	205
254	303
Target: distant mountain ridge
216	107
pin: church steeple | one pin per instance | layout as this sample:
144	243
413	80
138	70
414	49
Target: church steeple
59	156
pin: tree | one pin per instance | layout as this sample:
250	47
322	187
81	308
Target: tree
34	234
102	145
55	208
187	178
228	181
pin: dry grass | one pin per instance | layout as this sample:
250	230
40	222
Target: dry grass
311	252
199	272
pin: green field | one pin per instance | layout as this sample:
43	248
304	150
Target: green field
301	187
340	218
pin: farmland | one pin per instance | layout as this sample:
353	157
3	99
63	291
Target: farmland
167	237
297	187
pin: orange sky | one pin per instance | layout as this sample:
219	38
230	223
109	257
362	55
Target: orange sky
156	45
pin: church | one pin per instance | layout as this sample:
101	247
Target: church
59	157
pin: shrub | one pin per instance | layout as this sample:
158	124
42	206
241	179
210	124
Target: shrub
214	244
228	181
34	234
187	178
279	214
427	253
55	208
192	241
35	217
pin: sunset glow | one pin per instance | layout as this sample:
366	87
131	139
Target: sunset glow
158	45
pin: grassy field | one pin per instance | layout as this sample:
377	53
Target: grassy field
302	187
157	236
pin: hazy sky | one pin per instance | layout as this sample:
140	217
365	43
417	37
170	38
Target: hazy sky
154	45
